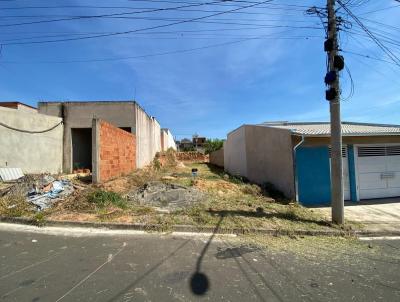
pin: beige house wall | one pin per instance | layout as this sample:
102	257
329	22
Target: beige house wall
270	157
235	161
217	158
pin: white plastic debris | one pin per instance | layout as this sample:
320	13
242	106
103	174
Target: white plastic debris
8	174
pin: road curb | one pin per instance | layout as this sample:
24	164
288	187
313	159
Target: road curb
196	229
174	228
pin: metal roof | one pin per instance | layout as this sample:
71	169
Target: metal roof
323	128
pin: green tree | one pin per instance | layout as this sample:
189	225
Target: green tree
213	145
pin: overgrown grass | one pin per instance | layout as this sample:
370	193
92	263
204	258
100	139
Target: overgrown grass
240	204
39	219
233	200
104	199
15	206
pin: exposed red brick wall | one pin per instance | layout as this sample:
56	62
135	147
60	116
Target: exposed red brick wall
117	151
191	156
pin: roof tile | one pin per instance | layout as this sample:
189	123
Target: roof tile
348	128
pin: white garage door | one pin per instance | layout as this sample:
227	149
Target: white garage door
346	179
378	171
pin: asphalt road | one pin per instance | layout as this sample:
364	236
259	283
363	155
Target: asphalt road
42	267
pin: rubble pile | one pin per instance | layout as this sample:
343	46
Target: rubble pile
165	195
40	190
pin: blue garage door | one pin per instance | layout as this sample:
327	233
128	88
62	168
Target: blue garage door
313	175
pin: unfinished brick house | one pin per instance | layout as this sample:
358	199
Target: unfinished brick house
120	125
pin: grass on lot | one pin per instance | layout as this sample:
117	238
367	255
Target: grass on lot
240	204
229	200
104	199
14	206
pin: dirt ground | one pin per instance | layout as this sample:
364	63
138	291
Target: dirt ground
228	201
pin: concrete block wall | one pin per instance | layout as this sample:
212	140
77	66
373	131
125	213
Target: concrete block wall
33	153
217	158
262	154
114	151
270	157
235	159
167	140
123	114
81	114
148	137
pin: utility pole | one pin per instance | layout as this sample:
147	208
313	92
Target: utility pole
333	95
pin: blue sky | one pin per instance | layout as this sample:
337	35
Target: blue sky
263	63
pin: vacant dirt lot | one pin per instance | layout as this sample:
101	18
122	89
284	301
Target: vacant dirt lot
214	198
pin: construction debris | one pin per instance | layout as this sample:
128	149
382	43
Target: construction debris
7	174
52	192
165	195
40	190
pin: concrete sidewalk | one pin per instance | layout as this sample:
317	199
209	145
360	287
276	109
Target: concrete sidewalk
375	214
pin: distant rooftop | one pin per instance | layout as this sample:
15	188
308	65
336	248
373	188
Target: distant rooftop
323	128
86	102
14	104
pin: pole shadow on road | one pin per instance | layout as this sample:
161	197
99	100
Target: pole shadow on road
120	294
199	283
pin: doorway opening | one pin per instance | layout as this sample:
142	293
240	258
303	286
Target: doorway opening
81	148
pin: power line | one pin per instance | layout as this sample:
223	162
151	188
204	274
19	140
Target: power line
190	35
108	15
138	30
378	10
157	54
369	57
371	35
30	131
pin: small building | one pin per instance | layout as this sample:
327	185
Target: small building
295	157
198	142
78	118
186	145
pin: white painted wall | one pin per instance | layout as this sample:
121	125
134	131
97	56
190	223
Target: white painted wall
33	153
148	138
167	140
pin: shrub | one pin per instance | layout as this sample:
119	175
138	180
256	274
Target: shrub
271	190
251	189
171	157
212	145
39	219
156	164
237	179
106	198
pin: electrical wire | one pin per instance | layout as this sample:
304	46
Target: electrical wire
30	131
378	10
352	89
368	57
385	49
109	15
138	30
154	54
